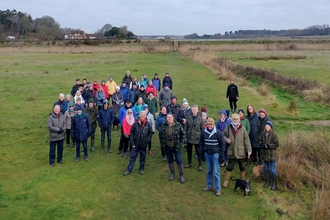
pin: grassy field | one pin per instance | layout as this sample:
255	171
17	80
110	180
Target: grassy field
30	189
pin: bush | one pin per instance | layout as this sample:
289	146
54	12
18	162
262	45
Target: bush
293	105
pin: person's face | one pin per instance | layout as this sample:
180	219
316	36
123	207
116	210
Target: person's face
194	111
146	110
134	86
163	111
78	82
130	113
250	109
262	115
151	95
71	108
100	88
167	75
142	89
91	87
68	98
105	105
150	83
123	85
204	117
142	117
78	102
170	119
140	101
235	120
128	104
267	127
117	89
156	77
79	112
91	105
110	79
185	105
103	83
127	73
61	97
210	126
231	82
84	81
222	116
240	114
174	101
57	110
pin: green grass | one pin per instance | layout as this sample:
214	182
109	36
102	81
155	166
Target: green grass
30	189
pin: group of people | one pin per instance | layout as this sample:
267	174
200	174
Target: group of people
135	106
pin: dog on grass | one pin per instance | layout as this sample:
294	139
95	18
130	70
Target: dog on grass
243	185
257	172
116	123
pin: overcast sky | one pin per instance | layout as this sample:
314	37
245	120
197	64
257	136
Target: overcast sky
178	17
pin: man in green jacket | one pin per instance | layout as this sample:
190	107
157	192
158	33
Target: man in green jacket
92	113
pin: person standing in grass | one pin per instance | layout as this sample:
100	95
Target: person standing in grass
105	89
68	117
62	103
165	95
139	106
171	136
152	103
111	85
92	112
151	88
238	142
68	101
80	131
253	116
232	95
193	127
222	123
141	93
100	97
141	134
156	82
213	144
80	97
134	81
174	108
151	120
105	119
117	100
159	122
127	125
56	127
184	112
246	125
168	80
262	119
269	144
127	78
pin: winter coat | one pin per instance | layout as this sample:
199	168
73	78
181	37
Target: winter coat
122	113
140	135
142	83
124	91
212	142
156	83
160	120
82	99
126	127
68	117
165	97
179	135
141	94
74	89
183	114
272	140
246	124
95	88
105	118
92	114
151	120
232	91
174	109
240	142
111	87
152	104
128	79
117	101
253	120
222	125
63	105
89	94
261	125
105	90
131	84
168	80
193	128
80	127
54	125
138	109
100	96
132	95
152	89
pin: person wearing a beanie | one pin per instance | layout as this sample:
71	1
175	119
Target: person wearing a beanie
151	101
184	112
165	96
92	112
105	119
203	109
262	119
232	95
222	123
125	90
269	143
117	100
204	117
111	85
141	93
156	82
174	108
238	143
168	80
253	116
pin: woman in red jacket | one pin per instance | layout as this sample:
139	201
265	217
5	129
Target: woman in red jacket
127	123
151	88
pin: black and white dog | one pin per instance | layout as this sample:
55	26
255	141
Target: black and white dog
243	185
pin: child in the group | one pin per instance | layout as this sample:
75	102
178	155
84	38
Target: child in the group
78	103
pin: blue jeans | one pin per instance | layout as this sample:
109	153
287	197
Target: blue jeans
270	166
133	157
170	152
84	143
103	130
213	166
52	145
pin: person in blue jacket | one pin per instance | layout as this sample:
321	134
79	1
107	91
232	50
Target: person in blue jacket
156	82
105	119
80	130
124	89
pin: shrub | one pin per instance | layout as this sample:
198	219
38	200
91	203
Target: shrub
293	105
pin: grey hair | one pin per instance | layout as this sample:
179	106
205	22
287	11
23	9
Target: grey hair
142	113
61	95
57	106
194	106
68	95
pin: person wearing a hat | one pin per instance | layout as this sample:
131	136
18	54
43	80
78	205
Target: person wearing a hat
168	81
105	89
232	95
117	100
78	95
203	109
78	103
151	88
75	87
68	117
80	130
238	143
127	78
156	82
141	134
151	120
111	85
263	117
222	123
141	93
185	111
56	127
151	101
165	95
125	90
174	108
105	119
92	112
269	143
193	127
171	136
213	144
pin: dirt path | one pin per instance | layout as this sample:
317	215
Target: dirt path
323	123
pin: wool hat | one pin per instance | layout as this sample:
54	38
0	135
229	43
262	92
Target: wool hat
103	80
105	101
235	116
166	84
184	101
204	114
124	82
203	109
223	112
262	110
117	87
141	86
134	83
110	77
269	123
79	107
91	100
128	101
151	92
240	110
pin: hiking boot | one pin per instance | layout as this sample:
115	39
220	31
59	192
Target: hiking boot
109	147
200	168
223	164
218	193
164	159
86	158
52	165
187	166
125	156
61	162
102	146
182	179
92	145
225	182
77	159
126	173
207	189
266	180
141	172
274	182
172	177
119	152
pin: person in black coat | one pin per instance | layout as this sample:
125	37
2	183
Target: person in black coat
141	134
174	108
167	79
75	87
232	95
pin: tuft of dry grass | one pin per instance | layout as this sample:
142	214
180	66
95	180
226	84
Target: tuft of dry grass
32	97
314	95
321	203
293	106
263	89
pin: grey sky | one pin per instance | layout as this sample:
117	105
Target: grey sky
178	17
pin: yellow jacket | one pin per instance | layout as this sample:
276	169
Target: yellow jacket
111	87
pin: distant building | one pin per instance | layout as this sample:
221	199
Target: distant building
78	35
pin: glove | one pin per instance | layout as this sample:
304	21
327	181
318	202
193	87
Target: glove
60	131
126	135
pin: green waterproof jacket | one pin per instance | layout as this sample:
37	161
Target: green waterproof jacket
179	135
245	122
272	141
92	114
193	128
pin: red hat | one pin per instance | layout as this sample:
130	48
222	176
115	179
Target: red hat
263	111
203	109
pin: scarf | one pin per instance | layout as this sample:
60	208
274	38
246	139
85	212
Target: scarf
142	123
210	132
242	117
130	119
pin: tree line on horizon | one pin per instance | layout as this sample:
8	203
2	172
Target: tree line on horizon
23	26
